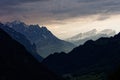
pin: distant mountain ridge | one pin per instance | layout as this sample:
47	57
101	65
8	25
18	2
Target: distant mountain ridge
16	63
46	43
101	55
81	38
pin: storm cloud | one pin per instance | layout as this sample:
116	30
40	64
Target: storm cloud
50	11
16	2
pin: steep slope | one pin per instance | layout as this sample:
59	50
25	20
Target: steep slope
44	40
100	55
23	40
17	64
93	34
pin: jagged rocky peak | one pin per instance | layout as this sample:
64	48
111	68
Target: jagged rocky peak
43	27
34	27
22	24
15	22
31	25
24	28
46	42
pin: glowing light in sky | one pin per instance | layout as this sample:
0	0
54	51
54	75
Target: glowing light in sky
64	18
81	25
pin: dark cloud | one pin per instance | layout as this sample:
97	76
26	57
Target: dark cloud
16	2
51	10
80	8
84	1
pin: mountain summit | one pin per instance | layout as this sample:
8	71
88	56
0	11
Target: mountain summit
46	43
16	63
22	40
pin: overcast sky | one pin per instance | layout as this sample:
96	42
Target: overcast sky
64	18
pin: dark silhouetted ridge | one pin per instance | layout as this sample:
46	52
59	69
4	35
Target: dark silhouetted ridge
102	55
16	63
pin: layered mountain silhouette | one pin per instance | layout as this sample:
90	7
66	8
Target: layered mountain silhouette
46	43
81	38
23	40
16	63
100	55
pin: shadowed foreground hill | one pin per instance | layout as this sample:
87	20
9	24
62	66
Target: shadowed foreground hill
114	75
18	64
101	55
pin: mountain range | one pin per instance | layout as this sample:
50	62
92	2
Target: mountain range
45	42
81	38
22	45
102	55
16	63
22	40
